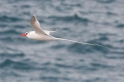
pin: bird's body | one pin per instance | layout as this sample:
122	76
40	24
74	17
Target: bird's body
44	35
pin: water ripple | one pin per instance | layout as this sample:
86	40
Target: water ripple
6	18
93	21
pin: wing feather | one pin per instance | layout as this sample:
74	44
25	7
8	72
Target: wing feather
36	25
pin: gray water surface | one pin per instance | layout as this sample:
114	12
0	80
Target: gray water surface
94	21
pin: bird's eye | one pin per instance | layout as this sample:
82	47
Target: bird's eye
26	33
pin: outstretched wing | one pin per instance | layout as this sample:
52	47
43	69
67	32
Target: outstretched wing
49	32
36	25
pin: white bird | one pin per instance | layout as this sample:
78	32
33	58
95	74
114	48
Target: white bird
44	35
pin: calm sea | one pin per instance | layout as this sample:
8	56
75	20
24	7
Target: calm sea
94	21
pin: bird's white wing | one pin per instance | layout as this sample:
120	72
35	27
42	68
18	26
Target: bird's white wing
48	32
36	25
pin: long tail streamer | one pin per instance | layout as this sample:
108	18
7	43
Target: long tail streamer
82	43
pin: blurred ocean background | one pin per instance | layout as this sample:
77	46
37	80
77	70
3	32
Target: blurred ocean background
94	21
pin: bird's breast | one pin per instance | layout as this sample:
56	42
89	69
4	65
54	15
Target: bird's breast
36	36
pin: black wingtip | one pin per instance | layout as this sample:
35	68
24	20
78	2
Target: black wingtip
34	16
55	30
33	19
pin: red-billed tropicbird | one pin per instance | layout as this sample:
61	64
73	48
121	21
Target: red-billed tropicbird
40	34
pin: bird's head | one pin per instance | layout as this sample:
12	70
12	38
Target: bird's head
24	34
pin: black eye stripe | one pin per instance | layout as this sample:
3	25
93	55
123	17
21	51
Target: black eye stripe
26	33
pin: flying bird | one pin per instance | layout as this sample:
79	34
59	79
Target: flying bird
44	35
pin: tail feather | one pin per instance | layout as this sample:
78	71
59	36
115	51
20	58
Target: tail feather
82	43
